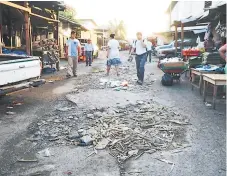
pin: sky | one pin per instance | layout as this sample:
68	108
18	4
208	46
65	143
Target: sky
146	16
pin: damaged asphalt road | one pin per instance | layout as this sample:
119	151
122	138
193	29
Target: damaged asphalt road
97	125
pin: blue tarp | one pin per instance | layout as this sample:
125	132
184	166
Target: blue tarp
17	52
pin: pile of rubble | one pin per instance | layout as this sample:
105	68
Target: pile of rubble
138	129
126	132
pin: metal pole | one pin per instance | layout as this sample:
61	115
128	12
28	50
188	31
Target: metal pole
176	38
103	41
182	36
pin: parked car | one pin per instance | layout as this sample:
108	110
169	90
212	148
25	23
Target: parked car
168	51
161	47
19	72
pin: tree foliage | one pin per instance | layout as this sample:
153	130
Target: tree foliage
118	28
69	13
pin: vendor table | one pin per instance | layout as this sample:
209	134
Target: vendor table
216	80
199	73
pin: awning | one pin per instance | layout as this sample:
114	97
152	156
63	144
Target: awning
189	21
16	6
45	18
199	31
206	13
191	28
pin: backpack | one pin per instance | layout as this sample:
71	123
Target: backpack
167	80
135	46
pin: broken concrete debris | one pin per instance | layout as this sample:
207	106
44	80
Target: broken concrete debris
126	131
102	144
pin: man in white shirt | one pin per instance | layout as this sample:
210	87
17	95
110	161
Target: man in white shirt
89	49
141	56
113	54
149	47
72	53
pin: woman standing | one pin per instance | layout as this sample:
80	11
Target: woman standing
113	55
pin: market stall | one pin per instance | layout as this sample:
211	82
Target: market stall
16	61
45	33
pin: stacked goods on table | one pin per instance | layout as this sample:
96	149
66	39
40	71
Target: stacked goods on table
45	45
191	52
211	58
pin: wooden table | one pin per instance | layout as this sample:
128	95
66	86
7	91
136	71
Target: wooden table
216	80
199	73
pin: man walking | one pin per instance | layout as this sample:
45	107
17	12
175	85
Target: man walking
149	47
141	56
72	53
89	49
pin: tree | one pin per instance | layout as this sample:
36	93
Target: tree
69	13
118	28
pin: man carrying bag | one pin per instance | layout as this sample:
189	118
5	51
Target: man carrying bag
140	48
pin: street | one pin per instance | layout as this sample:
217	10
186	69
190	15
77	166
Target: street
54	129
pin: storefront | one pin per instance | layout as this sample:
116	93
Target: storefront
23	23
66	25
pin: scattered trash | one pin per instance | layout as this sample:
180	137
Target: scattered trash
65	109
117	89
29	161
17	103
124	83
68	173
85	141
97	70
208	104
90	116
140	102
57	121
124	88
62	68
80	131
10	113
114	84
45	153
